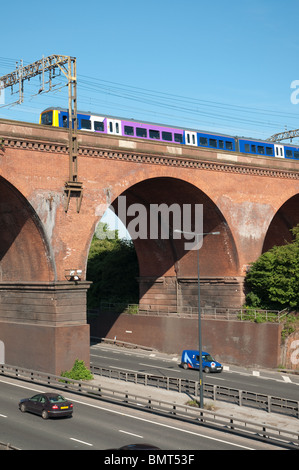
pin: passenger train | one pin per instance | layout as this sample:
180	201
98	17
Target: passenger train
156	132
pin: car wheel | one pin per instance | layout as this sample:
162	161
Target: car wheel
23	408
207	370
45	414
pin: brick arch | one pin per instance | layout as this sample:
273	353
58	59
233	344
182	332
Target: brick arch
284	220
24	251
167	261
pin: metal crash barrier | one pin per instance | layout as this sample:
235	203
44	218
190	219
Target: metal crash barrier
195	415
214	392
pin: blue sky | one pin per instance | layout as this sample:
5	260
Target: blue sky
220	66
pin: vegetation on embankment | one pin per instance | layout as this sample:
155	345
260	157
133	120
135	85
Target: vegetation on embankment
273	280
273	283
113	269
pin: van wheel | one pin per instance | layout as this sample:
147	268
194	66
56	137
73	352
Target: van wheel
207	370
185	365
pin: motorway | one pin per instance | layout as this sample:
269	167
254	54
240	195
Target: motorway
99	425
151	362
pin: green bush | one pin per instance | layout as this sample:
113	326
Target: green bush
273	280
78	372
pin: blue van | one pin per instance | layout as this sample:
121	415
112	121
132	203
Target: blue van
190	360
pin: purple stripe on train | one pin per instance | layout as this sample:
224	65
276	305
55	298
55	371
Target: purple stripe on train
149	131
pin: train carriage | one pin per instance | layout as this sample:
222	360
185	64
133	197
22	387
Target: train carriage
104	124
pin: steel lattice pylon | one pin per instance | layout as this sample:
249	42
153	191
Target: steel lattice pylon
67	65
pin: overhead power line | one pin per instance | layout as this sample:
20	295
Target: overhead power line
192	106
67	65
175	106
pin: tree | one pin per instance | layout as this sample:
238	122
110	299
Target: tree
113	268
273	279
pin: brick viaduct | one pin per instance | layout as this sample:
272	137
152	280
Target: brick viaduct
253	202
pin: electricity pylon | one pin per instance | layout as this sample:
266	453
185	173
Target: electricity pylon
284	136
67	65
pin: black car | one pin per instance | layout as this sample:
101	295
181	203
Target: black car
47	405
139	447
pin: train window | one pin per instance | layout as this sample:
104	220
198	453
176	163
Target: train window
85	124
269	151
140	132
154	134
228	145
129	130
203	141
260	150
167	136
178	138
213	143
65	121
279	151
253	148
47	118
247	148
110	126
289	154
117	127
296	154
98	126
221	144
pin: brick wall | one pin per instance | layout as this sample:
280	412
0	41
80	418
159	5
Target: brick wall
232	342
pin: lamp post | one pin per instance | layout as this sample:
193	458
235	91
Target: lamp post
197	235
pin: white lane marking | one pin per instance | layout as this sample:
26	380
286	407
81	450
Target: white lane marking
131	434
286	379
81	442
146	420
20	386
105	357
3	416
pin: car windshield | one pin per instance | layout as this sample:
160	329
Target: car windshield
207	357
56	399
